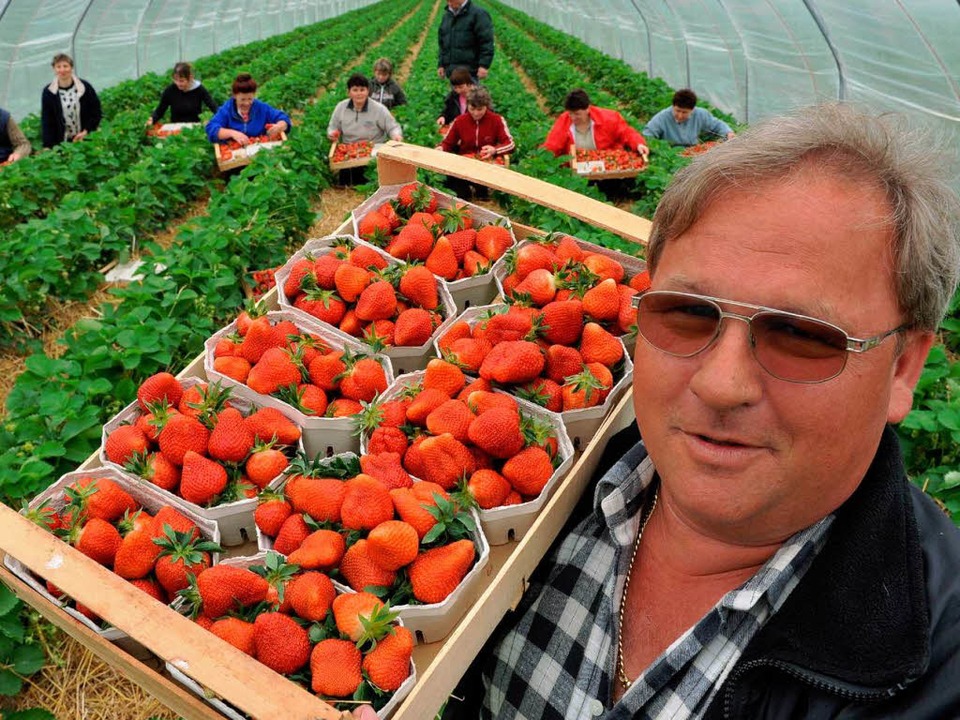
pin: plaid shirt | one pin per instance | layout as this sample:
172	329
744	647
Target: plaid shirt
558	660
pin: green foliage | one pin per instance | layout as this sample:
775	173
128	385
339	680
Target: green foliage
20	655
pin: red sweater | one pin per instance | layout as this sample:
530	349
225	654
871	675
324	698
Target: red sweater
610	131
468	136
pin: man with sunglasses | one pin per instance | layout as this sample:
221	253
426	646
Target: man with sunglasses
760	553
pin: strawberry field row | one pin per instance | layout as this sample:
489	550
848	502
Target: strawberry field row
56	407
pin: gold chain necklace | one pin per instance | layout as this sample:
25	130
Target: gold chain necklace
621	670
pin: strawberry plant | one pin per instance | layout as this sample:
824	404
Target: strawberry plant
20	655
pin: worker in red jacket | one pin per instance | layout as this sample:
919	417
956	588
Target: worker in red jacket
479	131
591	128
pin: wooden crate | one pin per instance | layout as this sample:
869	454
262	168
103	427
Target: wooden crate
243	156
346	164
230	673
595	170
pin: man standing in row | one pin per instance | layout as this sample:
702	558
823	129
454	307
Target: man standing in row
466	39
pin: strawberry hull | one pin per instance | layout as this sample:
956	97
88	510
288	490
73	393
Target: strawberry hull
477	290
150	497
232	712
403	358
321	435
234	519
581	424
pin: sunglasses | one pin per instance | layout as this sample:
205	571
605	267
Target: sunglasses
791	347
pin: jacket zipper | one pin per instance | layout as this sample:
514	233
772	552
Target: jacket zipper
837	689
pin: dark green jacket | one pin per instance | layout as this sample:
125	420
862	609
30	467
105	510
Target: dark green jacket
466	39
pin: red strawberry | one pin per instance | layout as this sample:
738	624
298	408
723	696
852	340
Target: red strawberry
320	498
393	544
236	368
411	510
513	362
260	337
413	242
365	379
414	327
416	197
351	609
361	572
474	264
301	269
602	301
533	256
374	227
350	281
387	468
335	668
388	664
453	417
124	442
528	471
598	345
443	260
237	632
136	555
231	439
562	362
103	498
271	513
282	644
469	353
292	534
224	588
270	424
264	465
378	301
168	515
641	281
544	392
512	325
489	488
420	287
151	588
202	479
320	550
567	249
446	460
604	266
540	287
366	503
425	402
275	370
462	242
497	432
493	241
310	595
97	539
324	370
437	572
182	434
323	305
368	258
158	388
325	269
561	322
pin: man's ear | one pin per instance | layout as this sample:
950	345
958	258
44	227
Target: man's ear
906	373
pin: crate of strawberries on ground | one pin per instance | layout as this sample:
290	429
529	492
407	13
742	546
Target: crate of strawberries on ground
606	164
350	155
231	155
457	241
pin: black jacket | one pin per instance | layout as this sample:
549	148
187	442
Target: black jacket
51	112
871	631
466	39
185	107
388	93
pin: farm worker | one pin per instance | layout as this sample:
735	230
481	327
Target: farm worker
69	106
185	96
683	123
760	552
243	116
481	132
383	88
361	118
455	104
591	128
13	143
465	38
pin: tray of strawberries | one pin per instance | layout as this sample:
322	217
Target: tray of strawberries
350	155
699	148
344	646
503	160
606	164
162	130
230	154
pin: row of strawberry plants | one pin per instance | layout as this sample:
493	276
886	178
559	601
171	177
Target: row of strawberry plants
35	187
56	407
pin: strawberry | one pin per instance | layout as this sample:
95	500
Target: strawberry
446	460
237	632
97	539
236	368
442	260
413	458
275	369
641	281
368	258
292	534
271	513
265	464
468	353
136	555
361	572
124	442
282	644
412	511
424	403
378	301
269	424
295	284
489	488
513	362
335	668
181	555
159	387
151	588
393	544
320	550
604	378
528	471
387	468
444	376
561	322
365	379
539	288
388	664
533	256
512	325
307	398
480	384
390	213
544	392
462	242
168	515
567	250
183	434
351	610
437	572
562	362
497	432
325	269
453	417
223	588
474	264
374	227
416	197
260	337
324	305
413	242
350	281
310	595
378	334
482	400
420	287
598	345
231	439
366	503
343	407
203	479
493	241
605	267
459	330
602	301
320	498
102	498
413	328
324	370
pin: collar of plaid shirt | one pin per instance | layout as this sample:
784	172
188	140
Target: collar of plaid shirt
558	660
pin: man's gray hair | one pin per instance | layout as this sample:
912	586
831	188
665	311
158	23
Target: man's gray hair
880	152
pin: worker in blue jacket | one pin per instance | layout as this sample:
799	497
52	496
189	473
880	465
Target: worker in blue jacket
243	116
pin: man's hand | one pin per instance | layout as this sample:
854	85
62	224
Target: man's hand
487	151
644	151
365	712
441	72
482	73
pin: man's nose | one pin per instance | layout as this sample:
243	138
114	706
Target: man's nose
728	375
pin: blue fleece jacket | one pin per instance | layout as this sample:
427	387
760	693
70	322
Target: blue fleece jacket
261	115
